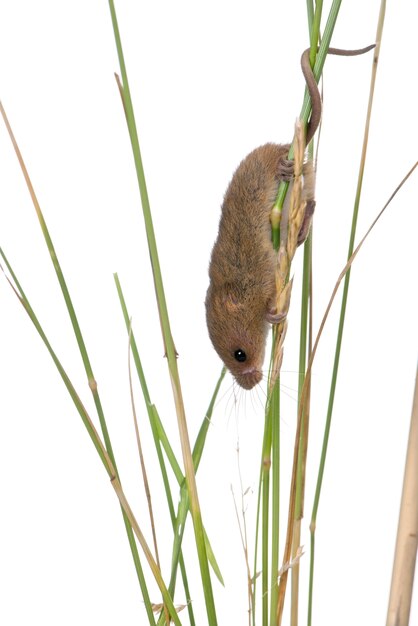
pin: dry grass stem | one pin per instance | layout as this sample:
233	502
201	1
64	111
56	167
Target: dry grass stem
158	607
287	249
291	225
294	561
143	468
407	537
305	392
244	539
243	535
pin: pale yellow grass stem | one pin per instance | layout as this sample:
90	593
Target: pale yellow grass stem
407	538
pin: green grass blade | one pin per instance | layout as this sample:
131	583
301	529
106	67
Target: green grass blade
149	556
257	534
105	458
183	510
265	510
314	22
297	484
197	453
303	446
301	442
203	431
350	252
81	345
160	437
212	560
166	332
314	25
344	299
176	558
274	408
64	289
317	70
94	436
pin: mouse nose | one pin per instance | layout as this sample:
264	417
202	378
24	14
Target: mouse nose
249	378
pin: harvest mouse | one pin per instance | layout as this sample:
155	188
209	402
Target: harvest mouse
241	298
240	301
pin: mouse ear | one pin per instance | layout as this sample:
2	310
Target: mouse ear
273	317
230	299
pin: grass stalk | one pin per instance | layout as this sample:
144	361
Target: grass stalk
161	439
94	435
158	431
317	58
305	388
166	332
314	26
310	11
60	276
159	436
314	20
407	536
298	474
106	460
274	407
257	526
346	287
183	506
317	70
244	544
244	539
141	455
314	23
283	286
265	510
82	348
157	427
304	350
290	527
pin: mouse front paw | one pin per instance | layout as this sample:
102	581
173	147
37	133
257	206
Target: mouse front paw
285	169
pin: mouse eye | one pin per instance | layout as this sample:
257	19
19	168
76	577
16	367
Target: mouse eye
240	355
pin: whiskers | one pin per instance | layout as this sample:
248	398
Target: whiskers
242	405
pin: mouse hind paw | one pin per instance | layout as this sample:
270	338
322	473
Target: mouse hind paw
307	220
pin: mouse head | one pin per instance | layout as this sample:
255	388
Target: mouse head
237	336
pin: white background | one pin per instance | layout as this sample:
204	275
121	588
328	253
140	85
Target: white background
209	83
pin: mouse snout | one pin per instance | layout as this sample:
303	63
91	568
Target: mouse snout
249	378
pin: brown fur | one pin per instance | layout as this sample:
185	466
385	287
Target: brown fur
242	291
